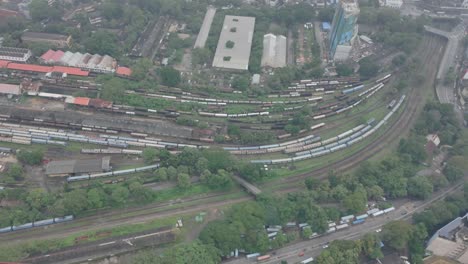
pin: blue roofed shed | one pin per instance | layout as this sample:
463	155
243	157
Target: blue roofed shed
326	26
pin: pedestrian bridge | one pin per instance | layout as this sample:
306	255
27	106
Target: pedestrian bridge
248	186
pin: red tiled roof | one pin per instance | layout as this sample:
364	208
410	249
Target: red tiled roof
124	71
70	70
46	56
4	63
81	101
57	56
52	55
29	67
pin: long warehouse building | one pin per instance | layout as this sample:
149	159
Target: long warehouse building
274	51
205	28
235	42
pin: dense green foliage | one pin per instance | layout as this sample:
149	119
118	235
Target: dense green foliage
194	252
393	30
30	157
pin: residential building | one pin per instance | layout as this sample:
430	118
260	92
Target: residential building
57	40
14	54
274	51
344	29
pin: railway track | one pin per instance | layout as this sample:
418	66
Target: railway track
108	218
401	126
114	218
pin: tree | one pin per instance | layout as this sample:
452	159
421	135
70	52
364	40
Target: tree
312	183
368	68
141	68
95	198
113	90
120	195
183	181
241	82
396	234
420	187
344	69
75	202
30	157
222	235
307	232
371	246
194	253
172	173
102	42
169	76
326	14
356	202
230	44
149	155
40	10
15	172
221	179
161	174
201	56
111	9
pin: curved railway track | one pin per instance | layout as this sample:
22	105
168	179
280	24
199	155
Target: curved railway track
399	127
114	218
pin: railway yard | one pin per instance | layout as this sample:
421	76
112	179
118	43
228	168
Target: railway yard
109	165
343	133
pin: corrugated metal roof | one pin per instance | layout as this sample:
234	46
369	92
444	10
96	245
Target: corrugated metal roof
73	61
66	56
62	167
10	89
99	103
106	63
95	59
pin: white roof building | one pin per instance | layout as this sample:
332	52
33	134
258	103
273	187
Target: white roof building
239	30
274	51
205	28
394	3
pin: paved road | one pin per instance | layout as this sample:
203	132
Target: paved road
447	93
312	248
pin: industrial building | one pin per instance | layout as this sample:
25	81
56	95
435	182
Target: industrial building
94	63
274	51
32	68
14	54
344	30
238	31
9	89
451	240
57	40
205	28
76	167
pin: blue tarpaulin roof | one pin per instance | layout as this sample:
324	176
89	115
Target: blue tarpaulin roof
326	26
